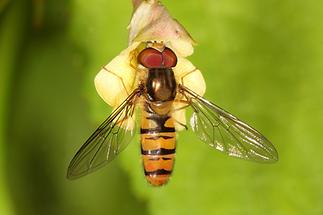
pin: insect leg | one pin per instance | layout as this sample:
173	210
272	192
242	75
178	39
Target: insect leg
181	124
183	104
120	78
188	73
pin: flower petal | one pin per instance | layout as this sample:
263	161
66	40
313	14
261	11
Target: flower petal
152	22
188	75
117	79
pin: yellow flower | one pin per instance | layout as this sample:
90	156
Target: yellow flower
150	22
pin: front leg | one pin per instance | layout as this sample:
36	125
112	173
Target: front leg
189	76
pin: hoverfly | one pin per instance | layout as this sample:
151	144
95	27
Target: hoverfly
157	90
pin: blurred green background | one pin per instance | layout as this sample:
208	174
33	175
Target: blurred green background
262	61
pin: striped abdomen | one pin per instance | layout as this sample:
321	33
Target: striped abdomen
157	146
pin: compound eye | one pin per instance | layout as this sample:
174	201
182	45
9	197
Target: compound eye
150	58
169	58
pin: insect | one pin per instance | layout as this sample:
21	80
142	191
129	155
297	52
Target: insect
156	93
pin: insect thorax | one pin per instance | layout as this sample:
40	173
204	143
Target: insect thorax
161	85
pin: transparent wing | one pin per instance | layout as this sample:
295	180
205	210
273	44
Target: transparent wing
225	132
110	138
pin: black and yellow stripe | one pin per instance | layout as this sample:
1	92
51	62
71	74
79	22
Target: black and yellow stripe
158	145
